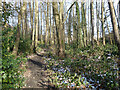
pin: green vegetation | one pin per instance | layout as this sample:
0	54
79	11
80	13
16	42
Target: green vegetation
87	67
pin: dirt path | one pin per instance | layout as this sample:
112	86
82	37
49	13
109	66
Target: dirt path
36	74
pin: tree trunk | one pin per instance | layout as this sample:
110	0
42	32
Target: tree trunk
119	15
36	23
92	22
83	23
88	33
56	18
97	24
110	36
23	19
47	24
41	36
26	25
51	28
116	33
103	30
79	31
33	32
74	32
61	32
69	28
16	45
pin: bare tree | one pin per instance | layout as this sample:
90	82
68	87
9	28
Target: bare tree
92	21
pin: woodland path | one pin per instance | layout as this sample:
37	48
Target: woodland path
36	74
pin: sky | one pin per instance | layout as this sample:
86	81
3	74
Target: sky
67	4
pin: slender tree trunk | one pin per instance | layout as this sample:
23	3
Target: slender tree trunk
51	28
69	28
88	33
97	23
79	31
41	28
74	32
83	23
116	33
61	32
33	32
47	24
110	36
85	26
36	23
26	25
16	45
23	19
56	16
92	22
31	18
119	15
103	30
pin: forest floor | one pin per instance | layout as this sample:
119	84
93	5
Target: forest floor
85	69
36	74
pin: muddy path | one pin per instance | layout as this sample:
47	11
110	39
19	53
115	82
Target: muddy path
36	74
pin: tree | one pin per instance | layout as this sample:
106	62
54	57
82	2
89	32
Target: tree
59	28
47	24
36	23
33	31
103	30
31	18
92	21
74	30
16	45
79	31
97	23
61	32
41	36
24	26
56	18
51	28
115	31
69	28
83	23
119	15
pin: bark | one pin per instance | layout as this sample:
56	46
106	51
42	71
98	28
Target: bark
74	32
116	33
26	25
88	33
41	28
16	45
33	32
79	31
23	19
97	24
110	35
103	29
56	18
47	24
61	32
83	23
48	10
51	28
92	22
69	28
36	23
31	18
59	28
85	26
119	15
